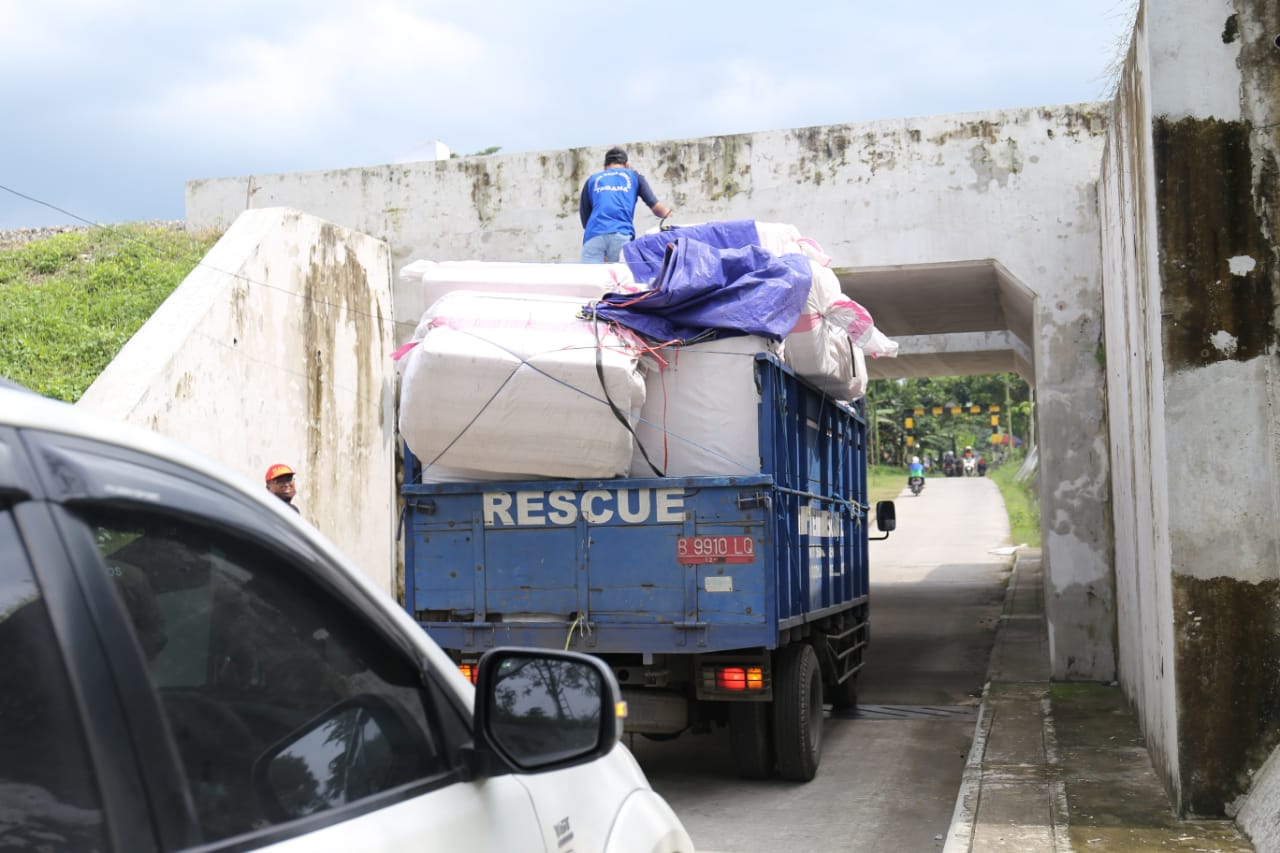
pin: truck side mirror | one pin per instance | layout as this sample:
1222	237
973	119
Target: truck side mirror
886	518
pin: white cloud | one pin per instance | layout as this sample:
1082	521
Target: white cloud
315	78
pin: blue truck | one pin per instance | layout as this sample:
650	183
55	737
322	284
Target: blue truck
735	600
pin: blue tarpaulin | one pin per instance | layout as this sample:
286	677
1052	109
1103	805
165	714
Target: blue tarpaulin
644	255
703	291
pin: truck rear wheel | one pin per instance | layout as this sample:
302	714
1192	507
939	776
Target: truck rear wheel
751	738
797	712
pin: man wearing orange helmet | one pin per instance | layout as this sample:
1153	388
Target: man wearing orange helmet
280	484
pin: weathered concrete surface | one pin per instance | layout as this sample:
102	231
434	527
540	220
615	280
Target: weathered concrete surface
1191	285
950	318
275	350
1062	767
1259	816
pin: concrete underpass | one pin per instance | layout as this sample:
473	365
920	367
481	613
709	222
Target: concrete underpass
1121	256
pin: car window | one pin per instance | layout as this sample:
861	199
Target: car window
281	700
48	798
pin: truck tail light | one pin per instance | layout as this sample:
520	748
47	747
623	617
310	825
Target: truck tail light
738	678
469	671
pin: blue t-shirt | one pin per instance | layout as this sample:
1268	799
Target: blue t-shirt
608	202
915	469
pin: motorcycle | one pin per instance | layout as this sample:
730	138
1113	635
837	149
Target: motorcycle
970	466
916	484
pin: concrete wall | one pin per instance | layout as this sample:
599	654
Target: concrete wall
275	350
1135	401
1192	284
1017	186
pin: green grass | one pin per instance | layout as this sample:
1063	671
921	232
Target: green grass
884	482
1020	502
68	303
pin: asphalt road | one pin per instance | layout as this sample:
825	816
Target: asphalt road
890	774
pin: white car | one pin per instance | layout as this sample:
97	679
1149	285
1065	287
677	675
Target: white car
186	664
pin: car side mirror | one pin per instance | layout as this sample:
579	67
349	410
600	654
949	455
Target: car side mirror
886	519
537	709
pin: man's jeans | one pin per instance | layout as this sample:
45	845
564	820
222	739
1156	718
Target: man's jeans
604	248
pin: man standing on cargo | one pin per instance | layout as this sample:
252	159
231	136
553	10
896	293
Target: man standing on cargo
608	205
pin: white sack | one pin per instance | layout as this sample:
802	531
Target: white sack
778	237
817	349
505	386
829	342
858	388
879	346
701	413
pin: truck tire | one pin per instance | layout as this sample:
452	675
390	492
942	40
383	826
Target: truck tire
797	712
751	738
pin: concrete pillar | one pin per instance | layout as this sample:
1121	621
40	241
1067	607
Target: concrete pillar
1192	269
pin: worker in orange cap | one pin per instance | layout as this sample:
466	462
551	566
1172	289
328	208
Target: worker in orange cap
280	483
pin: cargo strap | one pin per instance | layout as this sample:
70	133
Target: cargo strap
604	388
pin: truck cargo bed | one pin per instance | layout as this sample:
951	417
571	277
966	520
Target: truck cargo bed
652	565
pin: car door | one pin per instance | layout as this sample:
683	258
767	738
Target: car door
289	706
67	778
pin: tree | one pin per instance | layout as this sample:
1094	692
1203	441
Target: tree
891	398
483	152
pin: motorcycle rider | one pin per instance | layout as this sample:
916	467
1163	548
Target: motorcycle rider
915	469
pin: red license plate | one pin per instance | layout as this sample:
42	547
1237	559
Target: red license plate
715	549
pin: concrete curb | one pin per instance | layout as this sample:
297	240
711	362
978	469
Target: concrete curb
964	821
963	818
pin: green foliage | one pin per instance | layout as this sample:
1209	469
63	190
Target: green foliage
1020	501
889	398
483	152
68	303
884	482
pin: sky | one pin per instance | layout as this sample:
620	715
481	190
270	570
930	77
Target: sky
109	108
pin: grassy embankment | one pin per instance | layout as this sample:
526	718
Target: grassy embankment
1020	502
69	302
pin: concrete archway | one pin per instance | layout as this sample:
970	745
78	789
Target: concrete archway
949	319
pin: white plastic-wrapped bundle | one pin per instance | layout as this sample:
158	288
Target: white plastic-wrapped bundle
589	281
816	349
701	412
507	386
879	346
832	337
778	237
859	386
823	345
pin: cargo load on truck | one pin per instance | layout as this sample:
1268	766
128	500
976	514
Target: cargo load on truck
547	387
666	491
